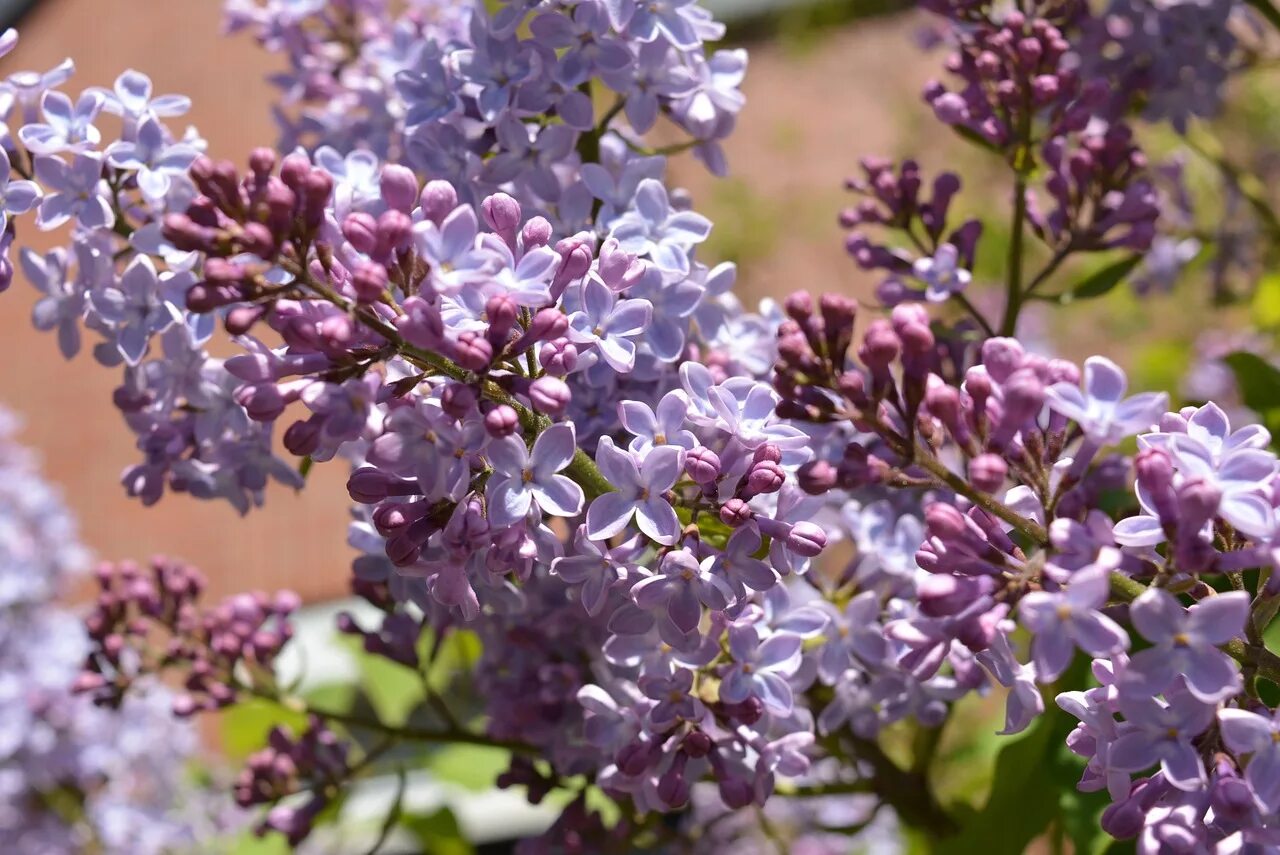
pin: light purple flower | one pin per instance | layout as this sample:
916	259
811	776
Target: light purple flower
62	306
16	197
1185	642
156	160
853	638
131	99
450	250
638	492
1259	736
137	307
1101	410
66	126
595	567
671	691
663	426
738	564
429	92
1161	732
683	588
1064	620
652	229
78	191
763	661
524	479
610	324
942	274
1242	476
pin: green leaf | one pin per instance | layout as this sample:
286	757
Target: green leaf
245	726
249	843
438	832
473	767
1101	281
1259	383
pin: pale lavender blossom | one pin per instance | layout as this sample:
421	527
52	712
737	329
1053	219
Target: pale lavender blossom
682	588
652	229
1064	620
639	488
609	324
75	191
66	126
524	479
1185	642
763	663
1101	409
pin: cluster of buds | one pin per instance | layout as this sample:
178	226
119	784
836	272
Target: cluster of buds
934	264
317	762
148	623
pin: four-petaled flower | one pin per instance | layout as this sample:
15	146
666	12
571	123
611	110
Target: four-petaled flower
523	479
1246	732
78	191
1064	620
1101	409
1185	642
942	274
639	491
610	324
762	663
651	228
683	587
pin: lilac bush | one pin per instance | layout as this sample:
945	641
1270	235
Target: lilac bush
574	452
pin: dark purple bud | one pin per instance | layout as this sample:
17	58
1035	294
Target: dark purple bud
536	232
697	744
817	477
361	231
558	357
473	351
702	464
765	477
302	438
395	230
987	472
502	214
501	312
438	200
735	512
369	281
399	187
501	421
549	395
806	539
458	400
242	318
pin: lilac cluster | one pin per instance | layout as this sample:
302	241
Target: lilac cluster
566	437
938	264
312	763
143	624
461	95
74	777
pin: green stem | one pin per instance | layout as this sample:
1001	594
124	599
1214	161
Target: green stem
1013	304
1028	528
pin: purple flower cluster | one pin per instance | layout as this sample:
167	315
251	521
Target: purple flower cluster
568	439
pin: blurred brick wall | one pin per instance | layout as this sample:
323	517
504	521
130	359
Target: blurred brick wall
297	541
813	109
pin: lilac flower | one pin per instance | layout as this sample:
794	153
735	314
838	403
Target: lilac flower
156	160
1156	731
615	184
763	662
1024	702
66	127
1241	476
355	179
591	51
1185	642
652	229
78	191
524	479
853	637
672	692
131	99
1259	736
596	567
450	250
638	492
674	20
427	89
62	306
683	588
716	92
663	426
494	67
609	324
16	197
527	281
738	564
137	308
1064	620
1101	410
942	274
